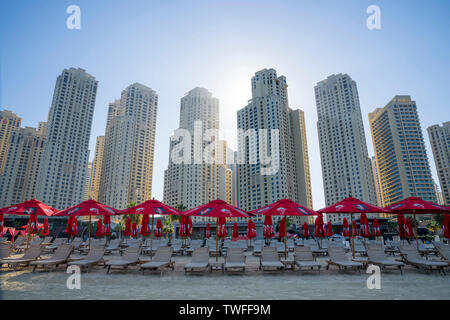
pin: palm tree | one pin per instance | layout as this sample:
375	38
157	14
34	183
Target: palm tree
134	217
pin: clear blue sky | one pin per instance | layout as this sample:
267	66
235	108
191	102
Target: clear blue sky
174	46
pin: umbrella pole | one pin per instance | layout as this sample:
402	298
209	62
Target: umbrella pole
151	239
89	239
415	223
217	240
353	239
28	233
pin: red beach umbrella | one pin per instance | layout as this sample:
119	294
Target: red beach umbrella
364	226
285	207
183	229
45	230
72	225
107	230
127	231
99	231
189	227
159	229
401	225
208	231
282	232
268	231
354	228
446	226
376	228
305	230
145	225
29	207
345	228
235	233
251	229
2	222
223	232
329	229
409	228
319	231
88	208
134	232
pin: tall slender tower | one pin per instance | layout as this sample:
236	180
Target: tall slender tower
9	122
199	177
66	151
273	156
403	168
96	172
18	181
346	167
440	143
127	165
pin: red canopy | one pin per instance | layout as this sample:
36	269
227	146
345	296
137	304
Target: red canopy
251	229
235	233
45	231
99	231
319	230
208	231
189	227
145	225
39	225
376	228
305	230
107	230
364	226
285	207
282	232
134	232
401	225
354	228
72	225
152	207
2	222
329	229
409	228
217	209
88	208
183	227
222	232
446	226
29	207
352	205
159	229
417	205
268	231
345	228
127	231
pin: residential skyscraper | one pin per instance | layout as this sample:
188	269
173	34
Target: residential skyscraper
440	144
9	122
127	164
273	157
346	167
96	172
18	181
65	156
400	153
197	178
87	181
377	182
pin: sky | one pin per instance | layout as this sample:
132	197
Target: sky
174	46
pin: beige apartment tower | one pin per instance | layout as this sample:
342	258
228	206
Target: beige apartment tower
400	153
127	162
9	122
96	171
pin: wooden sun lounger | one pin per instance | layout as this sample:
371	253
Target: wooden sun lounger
162	259
235	259
412	257
199	261
18	242
339	258
30	255
378	257
113	245
55	244
270	259
95	256
303	258
129	257
5	250
444	251
60	256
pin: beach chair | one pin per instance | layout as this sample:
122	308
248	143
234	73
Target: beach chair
242	244
194	244
129	257
378	257
411	256
95	256
339	258
304	258
444	251
131	243
177	247
18	242
60	256
199	261
33	253
47	241
360	248
55	244
76	243
113	245
5	250
235	259
212	250
314	246
290	245
162	259
270	259
257	248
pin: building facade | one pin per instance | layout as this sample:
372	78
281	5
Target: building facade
376	181
65	156
440	144
272	157
96	172
400	153
346	167
9	122
127	163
